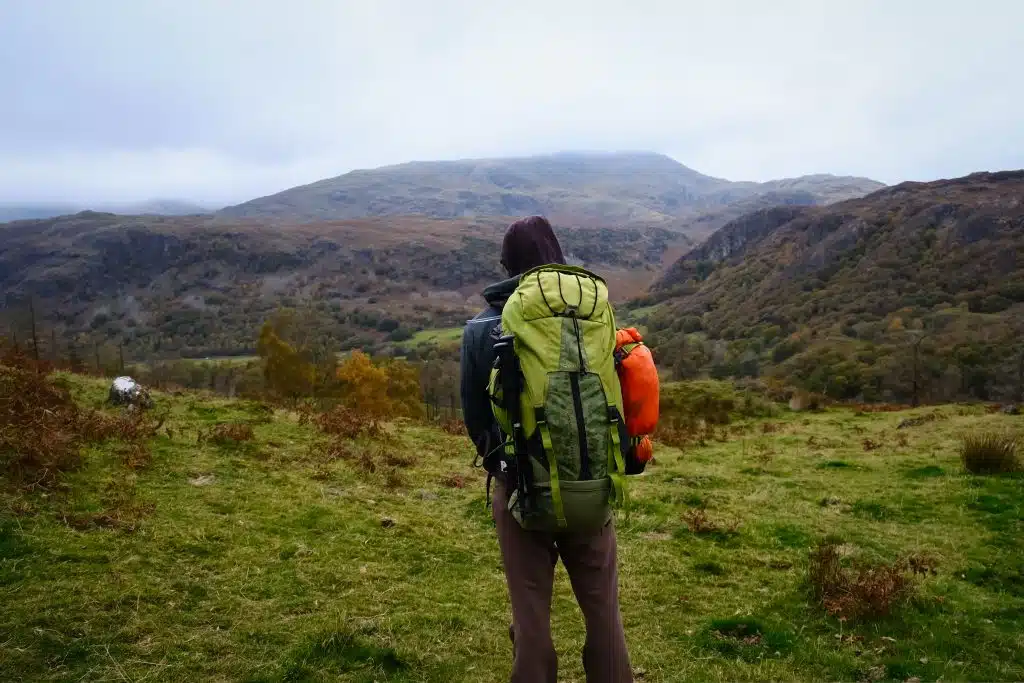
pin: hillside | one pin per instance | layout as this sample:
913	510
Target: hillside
588	189
283	554
835	297
165	286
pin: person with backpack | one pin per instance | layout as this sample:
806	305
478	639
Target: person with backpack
543	405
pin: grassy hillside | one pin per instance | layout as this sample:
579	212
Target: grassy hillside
837	298
603	189
273	559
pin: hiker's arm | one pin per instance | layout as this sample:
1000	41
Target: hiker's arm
476	411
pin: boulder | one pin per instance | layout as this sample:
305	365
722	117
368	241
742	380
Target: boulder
125	391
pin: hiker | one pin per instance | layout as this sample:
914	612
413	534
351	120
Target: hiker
529	556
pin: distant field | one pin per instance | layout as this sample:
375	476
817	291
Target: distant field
636	317
269	561
225	360
437	336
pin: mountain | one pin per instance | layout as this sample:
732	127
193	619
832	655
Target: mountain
835	298
604	189
156	207
189	285
17	212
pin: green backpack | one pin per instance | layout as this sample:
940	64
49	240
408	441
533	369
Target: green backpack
564	436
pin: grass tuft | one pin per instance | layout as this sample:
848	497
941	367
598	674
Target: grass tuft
990	453
342	651
712	568
745	638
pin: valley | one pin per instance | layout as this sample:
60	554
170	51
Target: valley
911	293
372	257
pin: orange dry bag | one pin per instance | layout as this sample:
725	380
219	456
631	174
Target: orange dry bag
643	451
639	380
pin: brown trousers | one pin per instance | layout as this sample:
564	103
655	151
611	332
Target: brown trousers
529	558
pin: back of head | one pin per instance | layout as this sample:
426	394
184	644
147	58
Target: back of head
528	243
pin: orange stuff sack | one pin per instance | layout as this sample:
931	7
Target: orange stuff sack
644	449
641	452
639	380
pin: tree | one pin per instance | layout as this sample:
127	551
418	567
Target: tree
364	386
404	388
439	379
919	337
35	338
284	371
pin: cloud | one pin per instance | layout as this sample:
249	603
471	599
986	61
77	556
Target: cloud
221	101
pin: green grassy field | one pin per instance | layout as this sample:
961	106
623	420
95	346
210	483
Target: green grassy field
266	561
436	336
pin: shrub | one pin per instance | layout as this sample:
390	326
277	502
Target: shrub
395	479
698	522
990	453
38	427
708	401
42	429
864	590
135	455
131	425
805	400
453	426
454	481
398	461
917	421
231	433
676	435
348	423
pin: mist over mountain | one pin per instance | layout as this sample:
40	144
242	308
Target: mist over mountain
152	207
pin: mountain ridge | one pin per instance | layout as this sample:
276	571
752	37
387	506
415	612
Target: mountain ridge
171	285
831	296
151	207
615	188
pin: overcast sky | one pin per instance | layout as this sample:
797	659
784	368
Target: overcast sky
219	101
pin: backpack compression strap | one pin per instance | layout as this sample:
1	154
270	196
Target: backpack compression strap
556	490
616	465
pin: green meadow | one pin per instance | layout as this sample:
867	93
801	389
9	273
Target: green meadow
282	559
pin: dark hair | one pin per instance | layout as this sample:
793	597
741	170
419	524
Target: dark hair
528	243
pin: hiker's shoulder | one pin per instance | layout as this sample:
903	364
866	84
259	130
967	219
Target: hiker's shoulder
479	327
488	315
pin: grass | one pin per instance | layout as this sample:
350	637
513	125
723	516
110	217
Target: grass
270	560
990	453
436	336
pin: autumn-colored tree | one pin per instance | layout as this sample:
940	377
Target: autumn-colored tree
364	386
404	388
285	372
